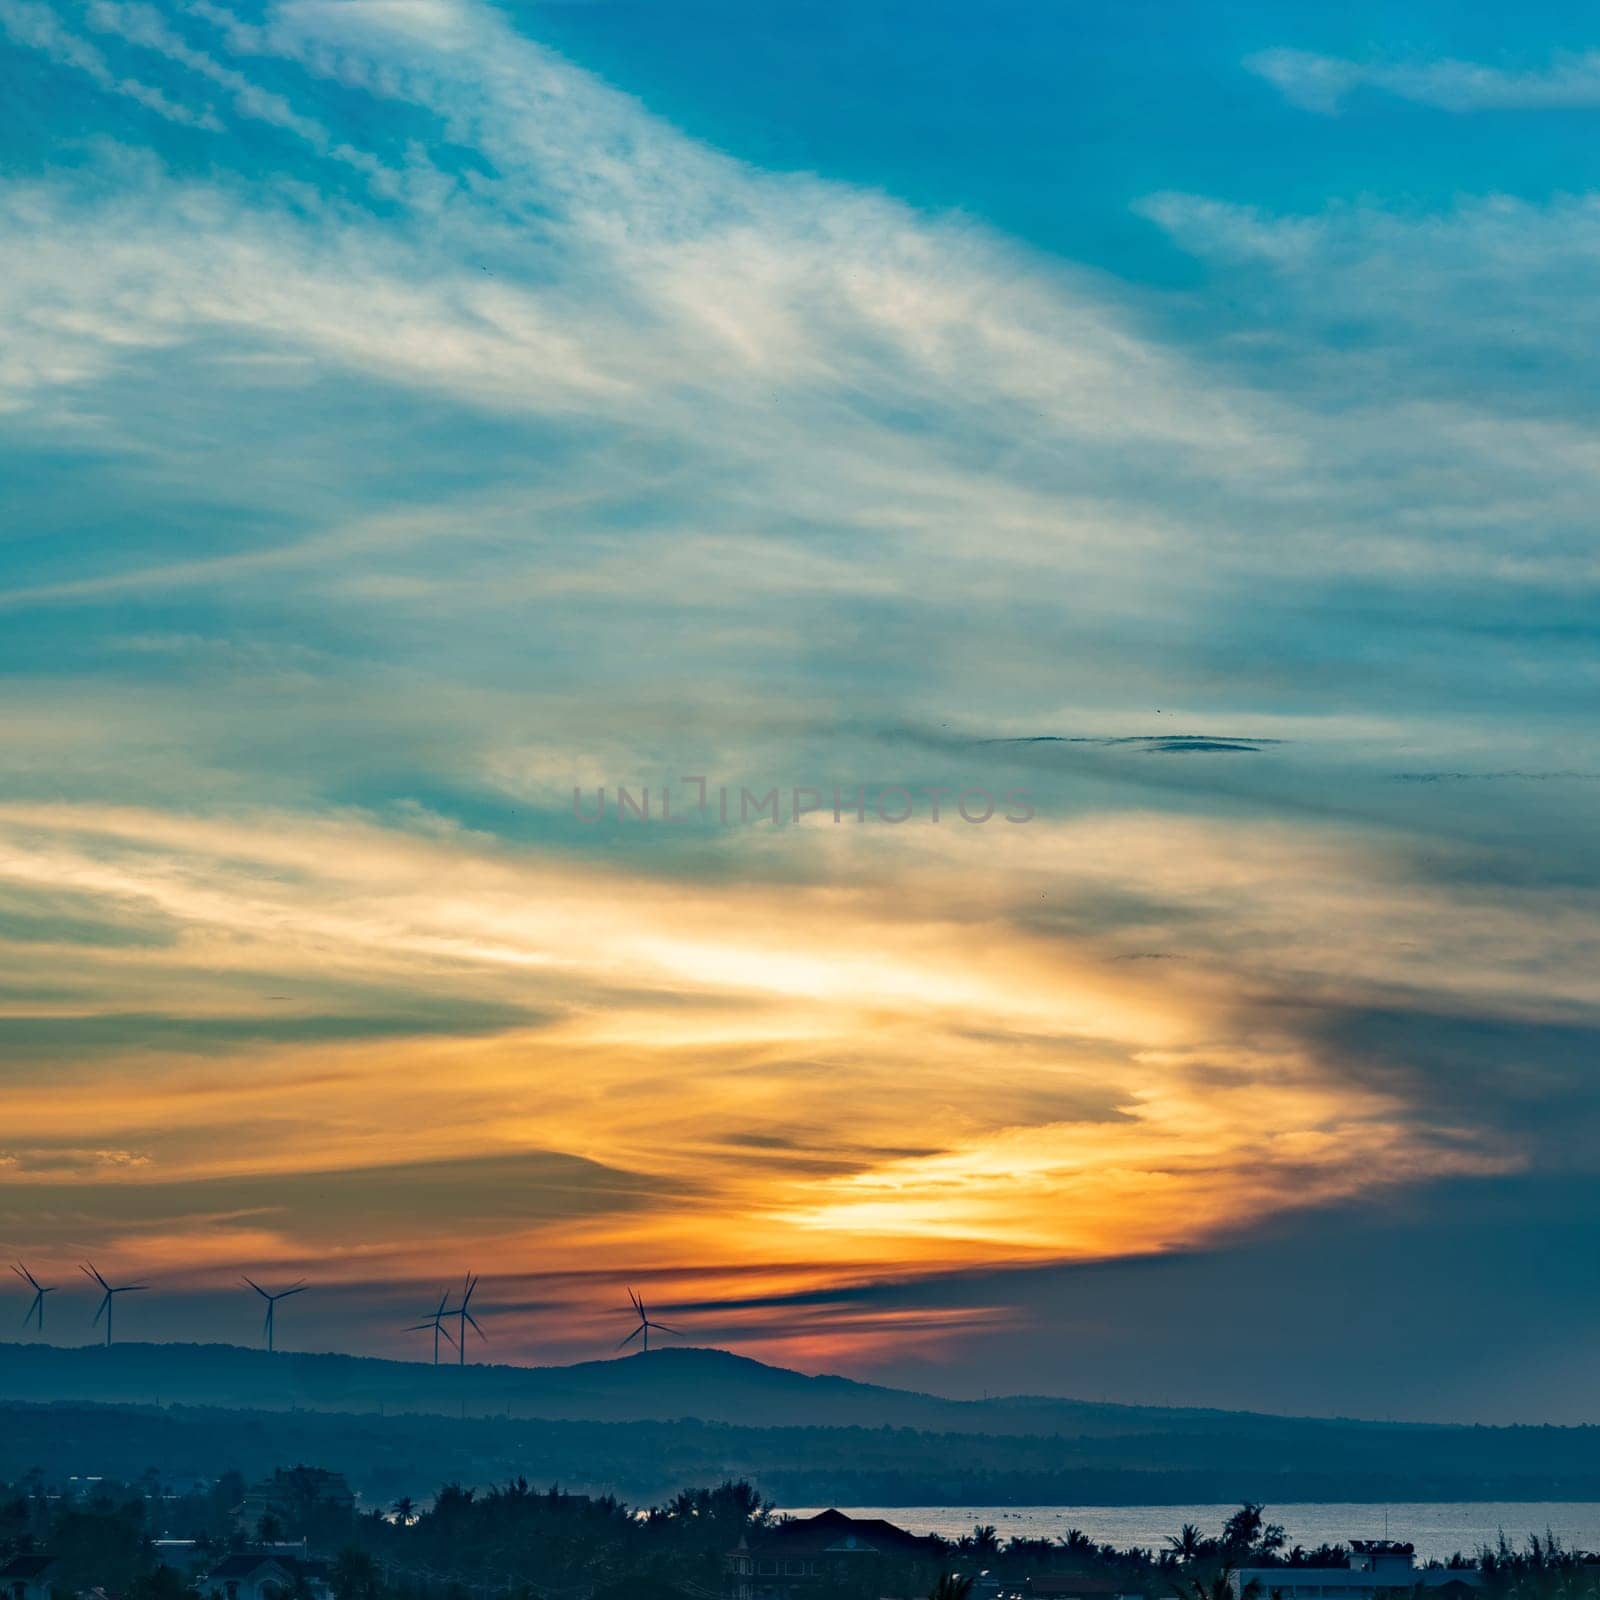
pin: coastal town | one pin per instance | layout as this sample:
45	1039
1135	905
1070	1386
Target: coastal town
301	1534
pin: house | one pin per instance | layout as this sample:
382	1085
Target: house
1073	1586
804	1555
26	1577
182	1555
1377	1566
264	1575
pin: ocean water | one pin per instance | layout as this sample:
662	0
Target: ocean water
1438	1529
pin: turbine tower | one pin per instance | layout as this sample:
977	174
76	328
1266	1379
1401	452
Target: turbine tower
436	1322
36	1309
272	1301
109	1299
645	1325
463	1313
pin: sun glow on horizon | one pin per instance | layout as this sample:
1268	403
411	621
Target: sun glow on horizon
411	429
671	1079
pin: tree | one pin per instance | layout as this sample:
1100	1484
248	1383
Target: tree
162	1584
1215	1585
1246	1534
732	1505
355	1575
101	1543
951	1586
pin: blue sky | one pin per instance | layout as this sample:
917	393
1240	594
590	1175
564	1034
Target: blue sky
417	409
1051	122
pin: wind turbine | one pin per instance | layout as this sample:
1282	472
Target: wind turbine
436	1322
272	1300
108	1300
464	1314
39	1292
645	1325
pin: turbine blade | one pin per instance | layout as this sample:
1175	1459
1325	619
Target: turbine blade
102	1311
245	1278
474	1321
299	1288
661	1327
447	1333
631	1337
94	1272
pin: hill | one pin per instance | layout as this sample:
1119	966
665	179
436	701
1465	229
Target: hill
662	1385
646	1462
646	1425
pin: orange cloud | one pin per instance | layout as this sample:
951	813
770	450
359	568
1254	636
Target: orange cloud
893	1065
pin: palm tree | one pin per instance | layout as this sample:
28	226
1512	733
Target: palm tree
1216	1585
950	1586
405	1511
1189	1543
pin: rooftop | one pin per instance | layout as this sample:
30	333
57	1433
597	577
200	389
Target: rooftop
27	1566
242	1563
1074	1583
832	1532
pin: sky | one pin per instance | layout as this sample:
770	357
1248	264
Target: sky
1170	423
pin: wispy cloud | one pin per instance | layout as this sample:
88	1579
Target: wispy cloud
1055	1081
455	431
1324	83
38	27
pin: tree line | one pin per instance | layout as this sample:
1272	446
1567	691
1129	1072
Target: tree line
516	1542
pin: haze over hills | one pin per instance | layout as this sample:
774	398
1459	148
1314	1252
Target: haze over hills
661	1385
646	1425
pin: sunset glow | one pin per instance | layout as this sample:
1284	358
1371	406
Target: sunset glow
424	420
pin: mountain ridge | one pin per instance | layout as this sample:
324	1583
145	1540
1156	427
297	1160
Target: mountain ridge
682	1382
645	1426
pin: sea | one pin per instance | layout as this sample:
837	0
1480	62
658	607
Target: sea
1438	1529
